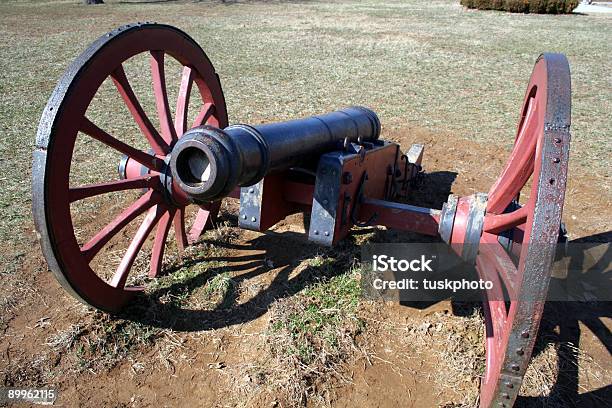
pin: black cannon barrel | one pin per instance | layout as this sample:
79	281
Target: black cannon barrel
208	163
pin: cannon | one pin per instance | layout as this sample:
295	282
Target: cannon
334	167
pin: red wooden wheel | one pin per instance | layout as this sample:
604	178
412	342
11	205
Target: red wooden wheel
66	119
519	240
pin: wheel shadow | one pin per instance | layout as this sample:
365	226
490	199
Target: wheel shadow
290	277
561	328
562	325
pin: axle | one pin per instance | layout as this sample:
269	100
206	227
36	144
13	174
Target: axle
208	163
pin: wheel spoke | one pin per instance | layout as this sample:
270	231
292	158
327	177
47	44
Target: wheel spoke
156	142
182	103
151	162
208	109
495	317
161	97
91	248
179	229
90	190
494	224
501	263
204	219
520	164
159	244
494	307
128	259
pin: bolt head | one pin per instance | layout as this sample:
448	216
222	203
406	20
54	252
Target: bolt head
520	351
327	233
525	334
253	219
244	217
515	367
251	190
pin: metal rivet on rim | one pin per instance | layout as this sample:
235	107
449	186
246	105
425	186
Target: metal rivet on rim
515	367
244	217
509	385
327	233
253	219
251	190
316	232
520	351
506	396
525	334
556	160
557	140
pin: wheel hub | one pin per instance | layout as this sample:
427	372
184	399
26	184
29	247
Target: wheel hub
461	224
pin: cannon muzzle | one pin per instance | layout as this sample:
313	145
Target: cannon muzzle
208	163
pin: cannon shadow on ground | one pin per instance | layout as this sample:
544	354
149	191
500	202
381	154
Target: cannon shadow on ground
288	250
151	310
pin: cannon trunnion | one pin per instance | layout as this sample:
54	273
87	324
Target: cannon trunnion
334	167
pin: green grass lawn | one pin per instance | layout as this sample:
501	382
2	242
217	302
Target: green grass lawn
428	64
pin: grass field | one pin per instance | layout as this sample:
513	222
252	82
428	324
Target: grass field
429	66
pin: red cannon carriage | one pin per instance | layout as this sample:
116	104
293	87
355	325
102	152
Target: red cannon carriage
334	167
